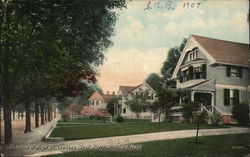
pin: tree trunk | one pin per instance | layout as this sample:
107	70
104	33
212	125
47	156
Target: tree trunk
13	114
137	117
22	115
45	114
18	115
36	114
55	113
42	114
5	82
48	112
27	118
197	131
7	121
160	117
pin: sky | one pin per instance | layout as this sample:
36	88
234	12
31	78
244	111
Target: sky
146	30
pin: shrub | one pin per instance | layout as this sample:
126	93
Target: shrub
241	113
188	108
216	118
120	119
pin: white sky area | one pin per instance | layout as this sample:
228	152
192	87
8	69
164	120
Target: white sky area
143	37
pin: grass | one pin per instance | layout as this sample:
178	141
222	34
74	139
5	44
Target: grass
74	132
235	145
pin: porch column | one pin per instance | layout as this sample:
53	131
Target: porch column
192	95
212	101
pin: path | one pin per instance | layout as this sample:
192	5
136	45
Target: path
34	137
106	141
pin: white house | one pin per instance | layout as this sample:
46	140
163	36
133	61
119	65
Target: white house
124	94
99	101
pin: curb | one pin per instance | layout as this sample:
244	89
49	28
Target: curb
47	138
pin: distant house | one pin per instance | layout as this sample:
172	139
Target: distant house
216	72
125	91
99	101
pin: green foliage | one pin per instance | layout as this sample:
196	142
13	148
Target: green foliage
216	118
155	81
241	113
188	108
172	59
226	97
111	105
200	117
119	119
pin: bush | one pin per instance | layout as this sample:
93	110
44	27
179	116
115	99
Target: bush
188	108
216	118
241	113
120	119
65	117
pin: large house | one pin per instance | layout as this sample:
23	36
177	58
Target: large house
216	72
124	94
99	101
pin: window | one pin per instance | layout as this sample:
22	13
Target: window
232	71
193	55
97	102
93	102
144	109
152	96
124	110
231	97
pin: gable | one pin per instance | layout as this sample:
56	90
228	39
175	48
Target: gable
190	45
96	96
144	87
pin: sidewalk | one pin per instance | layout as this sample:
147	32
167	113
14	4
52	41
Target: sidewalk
106	141
30	138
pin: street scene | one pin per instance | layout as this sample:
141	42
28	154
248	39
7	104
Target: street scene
148	78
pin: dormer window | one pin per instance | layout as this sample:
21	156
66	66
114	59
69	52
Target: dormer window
193	55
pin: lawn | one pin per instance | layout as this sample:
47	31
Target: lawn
236	145
74	132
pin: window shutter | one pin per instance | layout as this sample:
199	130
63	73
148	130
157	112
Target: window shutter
236	97
204	71
190	72
239	72
228	71
226	97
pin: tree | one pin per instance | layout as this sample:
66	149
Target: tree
171	61
200	117
137	102
188	108
166	99
111	105
241	113
43	41
155	81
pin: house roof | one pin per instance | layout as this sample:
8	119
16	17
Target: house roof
104	97
96	96
217	51
107	97
127	89
225	52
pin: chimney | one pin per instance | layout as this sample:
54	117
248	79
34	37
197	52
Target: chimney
113	93
107	92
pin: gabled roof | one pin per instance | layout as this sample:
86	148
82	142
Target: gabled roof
218	51
226	52
128	89
107	97
103	97
96	96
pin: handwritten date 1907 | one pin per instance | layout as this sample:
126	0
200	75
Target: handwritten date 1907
170	5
